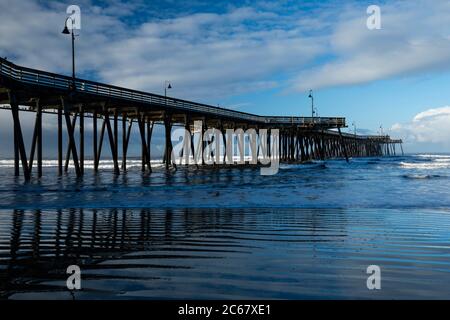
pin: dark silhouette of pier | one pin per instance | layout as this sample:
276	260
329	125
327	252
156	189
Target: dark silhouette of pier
72	100
43	243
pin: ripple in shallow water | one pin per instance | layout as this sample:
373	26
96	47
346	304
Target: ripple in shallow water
224	253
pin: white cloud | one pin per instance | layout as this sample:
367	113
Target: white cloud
414	38
431	114
214	55
429	129
204	54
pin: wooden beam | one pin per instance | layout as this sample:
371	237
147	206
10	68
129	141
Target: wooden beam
60	142
124	141
34	140
94	138
343	145
74	122
130	125
20	146
145	151
112	142
70	131
116	134
150	125
39	138
82	139
16	156
168	127
322	146
100	146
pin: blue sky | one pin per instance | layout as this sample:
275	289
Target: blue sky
259	56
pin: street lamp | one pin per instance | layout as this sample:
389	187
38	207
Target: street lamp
167	86
66	31
312	102
354	127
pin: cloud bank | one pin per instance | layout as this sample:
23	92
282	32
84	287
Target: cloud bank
413	39
212	55
428	131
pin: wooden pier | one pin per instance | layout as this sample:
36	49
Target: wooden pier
114	110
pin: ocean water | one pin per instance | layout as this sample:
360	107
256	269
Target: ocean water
309	232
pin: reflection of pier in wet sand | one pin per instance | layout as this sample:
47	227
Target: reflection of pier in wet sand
222	253
43	243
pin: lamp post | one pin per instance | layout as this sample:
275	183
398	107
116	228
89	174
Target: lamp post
312	103
354	127
66	31
167	86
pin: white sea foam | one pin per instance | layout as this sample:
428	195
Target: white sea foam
108	164
434	156
426	166
435	161
89	164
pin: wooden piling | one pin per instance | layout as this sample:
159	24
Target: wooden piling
168	130
81	127
74	122
124	142
145	150
150	125
39	138
19	143
60	142
344	147
70	131
100	145
94	138
116	135
112	141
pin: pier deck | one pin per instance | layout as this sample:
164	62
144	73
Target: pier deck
71	100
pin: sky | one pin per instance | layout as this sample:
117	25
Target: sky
261	57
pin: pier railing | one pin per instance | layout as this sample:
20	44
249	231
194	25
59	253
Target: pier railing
60	82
